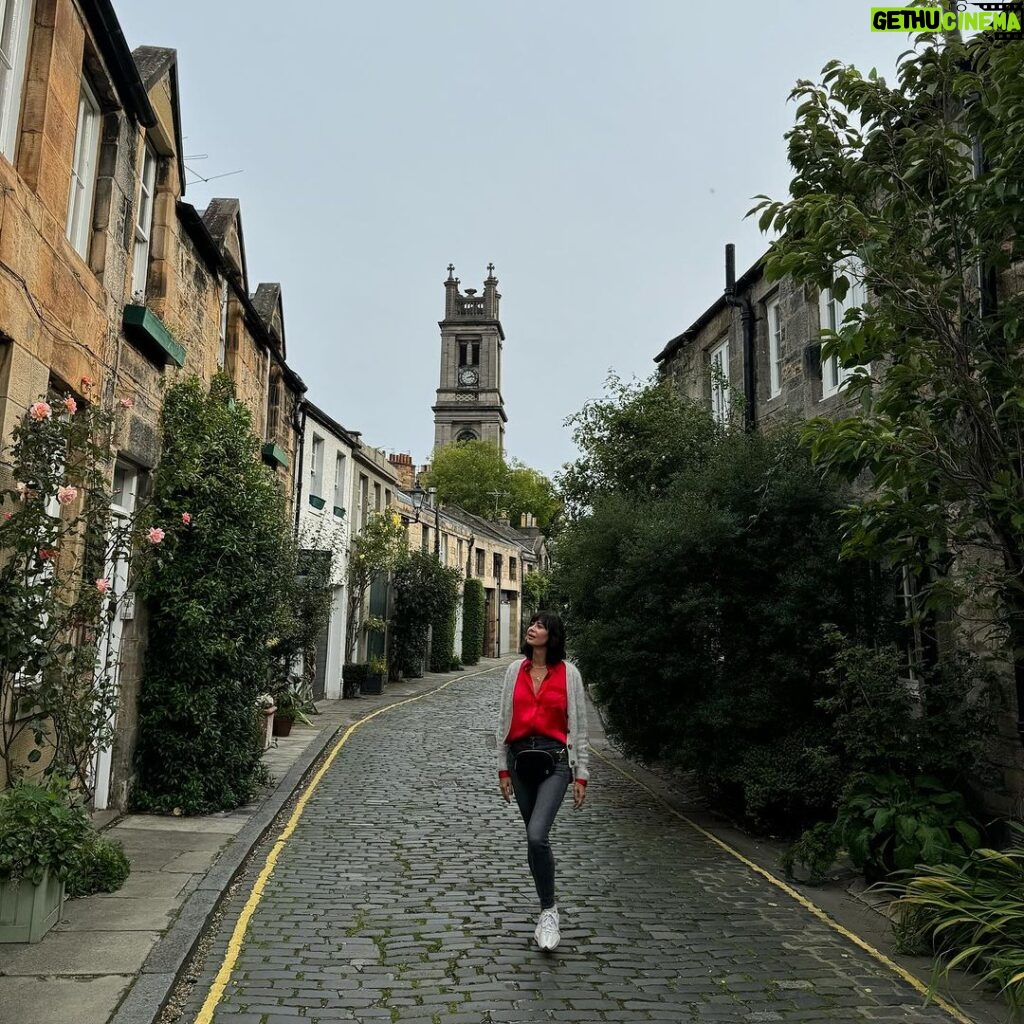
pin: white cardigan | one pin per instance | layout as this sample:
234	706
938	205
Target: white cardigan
576	743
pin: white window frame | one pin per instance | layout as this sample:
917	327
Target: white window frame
15	24
339	480
144	225
719	361
84	169
831	314
222	340
773	316
316	467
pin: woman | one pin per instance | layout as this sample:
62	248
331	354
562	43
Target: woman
542	746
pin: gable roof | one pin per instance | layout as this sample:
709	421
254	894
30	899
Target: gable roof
153	64
269	304
223	220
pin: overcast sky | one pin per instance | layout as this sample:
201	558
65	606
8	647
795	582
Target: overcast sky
600	154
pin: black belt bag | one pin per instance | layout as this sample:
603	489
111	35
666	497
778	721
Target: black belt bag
533	763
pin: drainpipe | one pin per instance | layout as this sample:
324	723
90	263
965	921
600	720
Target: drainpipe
743	304
300	469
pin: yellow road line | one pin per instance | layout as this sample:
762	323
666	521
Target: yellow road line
220	982
804	902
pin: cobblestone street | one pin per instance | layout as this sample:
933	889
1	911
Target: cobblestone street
404	896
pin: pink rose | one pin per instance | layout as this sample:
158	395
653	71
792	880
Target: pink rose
103	586
21	487
66	495
155	535
40	411
8	515
87	382
186	518
71	405
127	403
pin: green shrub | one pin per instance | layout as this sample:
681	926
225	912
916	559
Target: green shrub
971	914
473	621
214	597
425	594
353	675
41	829
103	867
708	561
889	823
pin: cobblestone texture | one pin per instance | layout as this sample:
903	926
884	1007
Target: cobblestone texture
404	896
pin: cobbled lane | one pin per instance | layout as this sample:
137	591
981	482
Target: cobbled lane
404	896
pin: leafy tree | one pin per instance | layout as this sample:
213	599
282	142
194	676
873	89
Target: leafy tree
474	610
695	592
475	475
426	593
922	185
631	440
214	604
374	551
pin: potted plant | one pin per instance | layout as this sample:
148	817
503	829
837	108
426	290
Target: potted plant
376	673
353	679
291	707
43	833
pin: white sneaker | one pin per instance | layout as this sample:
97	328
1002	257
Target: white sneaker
547	935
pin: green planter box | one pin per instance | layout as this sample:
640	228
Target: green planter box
373	683
316	502
275	455
27	911
148	333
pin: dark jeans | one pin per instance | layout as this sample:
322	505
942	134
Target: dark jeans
538	804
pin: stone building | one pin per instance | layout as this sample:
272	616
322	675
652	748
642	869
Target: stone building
789	382
107	273
469	404
708	361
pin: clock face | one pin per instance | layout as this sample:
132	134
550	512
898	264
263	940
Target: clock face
468	377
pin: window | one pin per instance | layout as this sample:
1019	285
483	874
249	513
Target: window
479	562
461	552
424	538
511	568
469	353
376	497
442	550
144	226
222	340
273	407
83	172
316	468
339	480
388	497
364	499
774	349
497	567
15	21
832	312
720	381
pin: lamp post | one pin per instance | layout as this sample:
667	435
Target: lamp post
432	491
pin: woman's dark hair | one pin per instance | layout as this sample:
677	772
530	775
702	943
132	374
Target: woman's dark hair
556	637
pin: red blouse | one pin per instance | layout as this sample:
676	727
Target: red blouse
544	713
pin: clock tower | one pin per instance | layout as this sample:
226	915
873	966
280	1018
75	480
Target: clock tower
469	405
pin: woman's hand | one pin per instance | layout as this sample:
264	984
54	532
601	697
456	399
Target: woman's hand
506	788
579	794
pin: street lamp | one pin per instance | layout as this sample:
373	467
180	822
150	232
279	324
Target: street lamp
432	491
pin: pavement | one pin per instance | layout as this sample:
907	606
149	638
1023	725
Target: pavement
395	889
